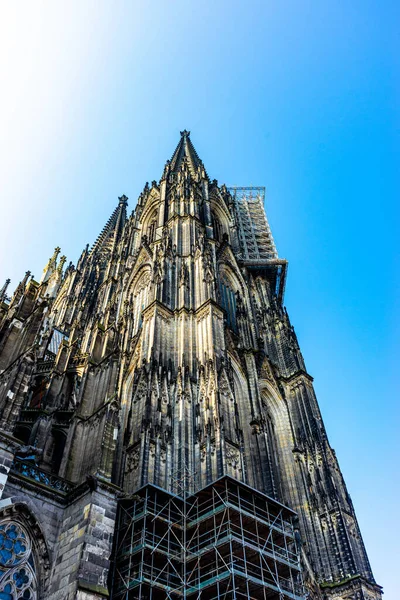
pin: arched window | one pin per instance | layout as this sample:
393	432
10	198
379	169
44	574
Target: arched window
229	288
17	569
273	478
140	299
218	231
152	231
228	301
150	225
279	441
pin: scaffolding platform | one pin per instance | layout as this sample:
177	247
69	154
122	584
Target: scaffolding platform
257	249
225	541
255	237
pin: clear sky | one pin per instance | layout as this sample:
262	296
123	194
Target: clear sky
302	97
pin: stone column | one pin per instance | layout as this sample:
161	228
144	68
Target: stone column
82	558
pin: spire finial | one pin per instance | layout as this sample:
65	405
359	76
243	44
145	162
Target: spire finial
123	199
50	266
113	228
57	251
20	289
185	133
61	264
4	290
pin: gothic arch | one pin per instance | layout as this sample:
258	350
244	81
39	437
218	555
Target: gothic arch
219	207
277	423
229	286
150	210
24	555
150	225
144	266
60	300
221	221
139	295
127	393
229	271
140	276
242	401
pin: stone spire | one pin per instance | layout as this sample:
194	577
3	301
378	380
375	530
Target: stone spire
112	230
61	264
185	152
20	288
54	281
50	266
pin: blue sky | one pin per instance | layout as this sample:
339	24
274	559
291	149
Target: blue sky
301	97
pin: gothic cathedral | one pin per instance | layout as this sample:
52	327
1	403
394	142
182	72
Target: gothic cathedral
160	436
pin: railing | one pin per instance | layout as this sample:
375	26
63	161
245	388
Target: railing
226	499
227	531
42	366
79	361
243	568
30	415
33	472
63	417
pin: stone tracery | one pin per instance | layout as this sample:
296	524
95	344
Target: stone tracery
17	577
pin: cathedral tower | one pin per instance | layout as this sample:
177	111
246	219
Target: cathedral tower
158	377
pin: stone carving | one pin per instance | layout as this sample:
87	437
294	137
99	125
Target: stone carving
17	578
184	274
132	460
232	457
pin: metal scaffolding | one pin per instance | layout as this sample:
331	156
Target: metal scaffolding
256	244
225	541
255	237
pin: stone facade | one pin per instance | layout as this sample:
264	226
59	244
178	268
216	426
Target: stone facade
166	350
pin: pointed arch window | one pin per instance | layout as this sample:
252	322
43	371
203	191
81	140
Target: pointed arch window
140	299
150	226
218	232
152	231
17	570
228	301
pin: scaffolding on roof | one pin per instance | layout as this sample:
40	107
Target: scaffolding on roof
225	541
257	249
255	237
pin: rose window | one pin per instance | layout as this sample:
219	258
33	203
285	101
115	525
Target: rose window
17	577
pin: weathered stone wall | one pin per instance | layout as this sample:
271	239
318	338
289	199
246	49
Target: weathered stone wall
77	532
84	546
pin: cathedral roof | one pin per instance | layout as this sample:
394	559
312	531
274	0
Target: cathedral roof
114	226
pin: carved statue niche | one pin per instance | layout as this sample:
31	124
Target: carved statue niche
184	274
200	242
233	460
208	264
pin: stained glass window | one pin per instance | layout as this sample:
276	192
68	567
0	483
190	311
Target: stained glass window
55	341
17	577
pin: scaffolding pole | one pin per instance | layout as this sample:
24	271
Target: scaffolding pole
225	541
